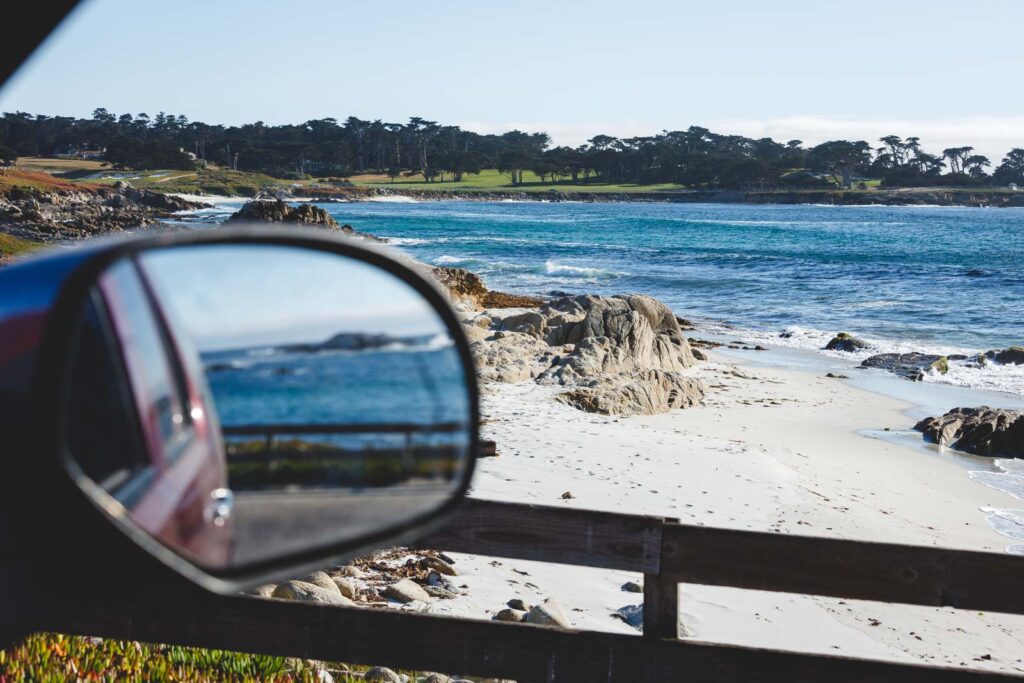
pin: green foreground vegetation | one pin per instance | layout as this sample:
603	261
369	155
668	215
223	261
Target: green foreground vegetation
52	657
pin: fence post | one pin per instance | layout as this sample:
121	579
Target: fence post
661	602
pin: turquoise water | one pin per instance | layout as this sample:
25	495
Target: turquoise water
941	279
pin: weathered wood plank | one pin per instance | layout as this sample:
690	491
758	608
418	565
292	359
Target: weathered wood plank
862	570
661	607
481	648
550	534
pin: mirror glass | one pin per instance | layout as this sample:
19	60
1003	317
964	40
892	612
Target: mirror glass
244	402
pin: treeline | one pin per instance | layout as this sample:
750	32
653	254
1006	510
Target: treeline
695	157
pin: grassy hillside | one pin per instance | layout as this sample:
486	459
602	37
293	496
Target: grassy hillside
210	181
491	180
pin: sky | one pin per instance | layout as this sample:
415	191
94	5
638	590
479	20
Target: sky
241	296
944	70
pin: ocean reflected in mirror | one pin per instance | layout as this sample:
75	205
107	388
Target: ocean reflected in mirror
335	389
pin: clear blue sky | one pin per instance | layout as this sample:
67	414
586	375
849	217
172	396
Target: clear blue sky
944	69
232	296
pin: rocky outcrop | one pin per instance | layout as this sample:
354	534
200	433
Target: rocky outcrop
619	355
844	341
72	213
464	286
982	431
276	211
913	366
642	392
1011	356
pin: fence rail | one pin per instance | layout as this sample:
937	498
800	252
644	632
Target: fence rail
665	551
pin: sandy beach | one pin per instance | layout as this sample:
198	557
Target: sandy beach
772	449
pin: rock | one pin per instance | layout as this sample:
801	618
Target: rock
436	678
308	592
382	674
846	342
645	392
982	431
912	366
323	580
264	591
509	614
462	284
406	591
276	211
567	495
509	357
1011	356
632	615
835	376
613	335
352	572
517	604
346	587
439	565
503	300
548	613
632	587
530	322
440	592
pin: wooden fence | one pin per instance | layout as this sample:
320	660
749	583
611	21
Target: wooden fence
665	551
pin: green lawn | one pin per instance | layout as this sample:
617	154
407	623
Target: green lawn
490	180
217	181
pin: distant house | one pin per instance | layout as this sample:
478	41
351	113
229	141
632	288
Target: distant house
80	152
1013	187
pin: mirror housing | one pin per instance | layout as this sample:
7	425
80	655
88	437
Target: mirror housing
41	305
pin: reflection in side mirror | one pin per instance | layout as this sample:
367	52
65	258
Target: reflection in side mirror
244	403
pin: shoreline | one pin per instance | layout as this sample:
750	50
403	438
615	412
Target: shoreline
923	197
772	449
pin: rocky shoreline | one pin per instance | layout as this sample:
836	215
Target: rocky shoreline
903	197
39	210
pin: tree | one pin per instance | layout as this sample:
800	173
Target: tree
1011	170
7	156
840	158
956	157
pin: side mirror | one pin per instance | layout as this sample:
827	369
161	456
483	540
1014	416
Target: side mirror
244	404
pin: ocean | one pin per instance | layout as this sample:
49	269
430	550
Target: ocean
932	279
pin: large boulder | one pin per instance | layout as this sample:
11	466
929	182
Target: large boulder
406	590
618	355
307	592
1011	356
276	211
844	341
644	392
911	365
982	431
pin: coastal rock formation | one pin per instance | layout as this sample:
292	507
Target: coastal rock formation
642	392
617	355
276	211
845	341
465	287
46	209
469	292
982	431
1011	356
912	366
